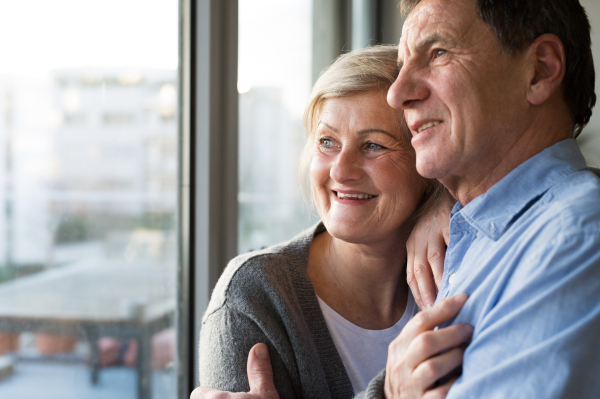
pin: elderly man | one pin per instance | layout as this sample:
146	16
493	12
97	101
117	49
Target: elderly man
494	93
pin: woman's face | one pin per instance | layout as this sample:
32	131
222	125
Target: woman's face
363	174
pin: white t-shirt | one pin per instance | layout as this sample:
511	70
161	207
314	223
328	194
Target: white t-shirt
363	352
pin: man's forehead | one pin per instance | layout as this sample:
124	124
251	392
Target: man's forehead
434	21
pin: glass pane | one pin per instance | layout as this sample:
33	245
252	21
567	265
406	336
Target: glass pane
274	85
88	177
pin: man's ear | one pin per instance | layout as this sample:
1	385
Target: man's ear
548	58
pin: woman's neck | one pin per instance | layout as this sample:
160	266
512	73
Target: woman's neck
365	285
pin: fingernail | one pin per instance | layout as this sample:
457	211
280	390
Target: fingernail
261	352
460	298
468	328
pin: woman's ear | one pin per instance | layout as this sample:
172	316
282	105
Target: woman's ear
547	55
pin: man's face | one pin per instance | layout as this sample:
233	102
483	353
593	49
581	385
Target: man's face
463	97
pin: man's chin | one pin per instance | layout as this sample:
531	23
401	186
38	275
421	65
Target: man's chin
429	169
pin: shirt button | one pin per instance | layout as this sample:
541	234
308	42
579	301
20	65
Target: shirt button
451	279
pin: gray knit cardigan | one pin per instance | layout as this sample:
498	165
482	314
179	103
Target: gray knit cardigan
266	296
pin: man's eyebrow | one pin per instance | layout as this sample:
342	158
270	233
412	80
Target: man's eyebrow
425	43
429	40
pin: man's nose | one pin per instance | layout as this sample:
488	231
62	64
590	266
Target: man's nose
407	90
347	167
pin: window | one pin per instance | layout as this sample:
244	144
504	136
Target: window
88	205
274	83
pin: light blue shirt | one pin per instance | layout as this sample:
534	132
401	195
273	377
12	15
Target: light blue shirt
527	253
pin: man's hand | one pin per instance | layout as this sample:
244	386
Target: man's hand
260	378
415	359
426	250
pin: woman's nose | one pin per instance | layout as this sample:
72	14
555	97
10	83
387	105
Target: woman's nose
407	90
347	167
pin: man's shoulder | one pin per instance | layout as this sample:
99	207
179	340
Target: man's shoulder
567	215
572	206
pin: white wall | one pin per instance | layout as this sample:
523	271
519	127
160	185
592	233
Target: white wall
590	138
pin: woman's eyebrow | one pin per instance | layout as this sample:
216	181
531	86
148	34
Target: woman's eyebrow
365	131
328	126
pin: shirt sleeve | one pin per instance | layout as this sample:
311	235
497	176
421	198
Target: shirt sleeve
541	337
225	341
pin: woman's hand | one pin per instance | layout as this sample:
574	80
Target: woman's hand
260	378
415	359
426	250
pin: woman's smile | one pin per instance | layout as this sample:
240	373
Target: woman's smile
352	197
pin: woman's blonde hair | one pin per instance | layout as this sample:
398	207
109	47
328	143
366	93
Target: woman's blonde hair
359	71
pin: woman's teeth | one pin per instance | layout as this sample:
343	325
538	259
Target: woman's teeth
428	125
359	196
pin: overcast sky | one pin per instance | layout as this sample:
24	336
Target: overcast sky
275	41
40	35
37	36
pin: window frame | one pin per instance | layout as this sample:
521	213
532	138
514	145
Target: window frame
208	176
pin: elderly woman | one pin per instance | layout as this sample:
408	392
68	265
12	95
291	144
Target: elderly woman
330	301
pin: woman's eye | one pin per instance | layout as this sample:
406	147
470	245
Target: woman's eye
438	53
374	147
326	143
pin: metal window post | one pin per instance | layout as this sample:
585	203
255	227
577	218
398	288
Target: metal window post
208	164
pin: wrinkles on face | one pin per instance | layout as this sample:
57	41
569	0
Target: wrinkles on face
360	148
456	74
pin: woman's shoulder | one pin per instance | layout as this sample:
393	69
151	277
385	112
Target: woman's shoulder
271	272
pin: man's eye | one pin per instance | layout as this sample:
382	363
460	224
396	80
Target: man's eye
439	53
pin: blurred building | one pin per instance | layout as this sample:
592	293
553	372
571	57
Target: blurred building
79	151
270	143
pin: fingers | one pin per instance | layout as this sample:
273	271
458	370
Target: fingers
209	393
418	272
436	253
410	275
426	250
430	343
417	343
424	321
428	319
260	379
439	366
441	391
414	288
446	235
260	372
425	282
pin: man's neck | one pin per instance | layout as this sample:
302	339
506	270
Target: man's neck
478	180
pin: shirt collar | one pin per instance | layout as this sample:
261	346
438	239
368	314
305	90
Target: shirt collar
493	212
